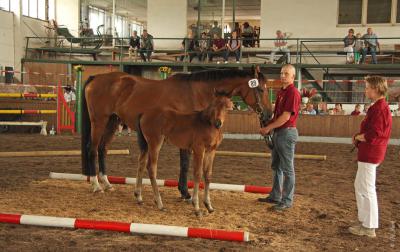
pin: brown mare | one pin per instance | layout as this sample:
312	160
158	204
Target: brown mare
114	97
200	133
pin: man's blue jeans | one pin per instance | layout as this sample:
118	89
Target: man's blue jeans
372	50
282	165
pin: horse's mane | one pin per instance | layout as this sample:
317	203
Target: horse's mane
216	75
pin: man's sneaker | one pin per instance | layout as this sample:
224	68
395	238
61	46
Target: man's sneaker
280	207
226	62
268	200
218	62
362	231
237	62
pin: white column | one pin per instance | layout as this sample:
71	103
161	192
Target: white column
16	8
67	14
167	19
114	34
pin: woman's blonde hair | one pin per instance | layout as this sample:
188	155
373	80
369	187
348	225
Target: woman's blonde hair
378	83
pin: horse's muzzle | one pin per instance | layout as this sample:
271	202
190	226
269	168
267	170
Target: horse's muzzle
218	124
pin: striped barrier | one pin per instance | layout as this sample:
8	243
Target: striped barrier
55	153
134	228
27	95
166	183
27	111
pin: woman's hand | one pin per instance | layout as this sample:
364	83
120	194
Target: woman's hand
360	137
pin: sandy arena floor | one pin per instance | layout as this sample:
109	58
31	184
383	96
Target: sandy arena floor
324	201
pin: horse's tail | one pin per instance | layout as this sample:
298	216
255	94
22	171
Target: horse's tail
86	130
140	137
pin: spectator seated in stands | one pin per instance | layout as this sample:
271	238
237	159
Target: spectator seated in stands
69	94
218	48
303	109
146	46
280	44
134	43
338	110
349	42
357	110
203	47
397	111
370	45
358	47
322	109
248	35
310	109
190	46
366	107
233	47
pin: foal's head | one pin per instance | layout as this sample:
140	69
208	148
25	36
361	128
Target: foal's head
215	113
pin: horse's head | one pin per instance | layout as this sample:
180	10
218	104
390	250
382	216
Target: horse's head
255	94
215	113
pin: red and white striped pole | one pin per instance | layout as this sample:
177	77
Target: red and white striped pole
167	183
135	228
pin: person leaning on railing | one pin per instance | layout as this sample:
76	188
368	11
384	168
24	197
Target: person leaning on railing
218	48
190	46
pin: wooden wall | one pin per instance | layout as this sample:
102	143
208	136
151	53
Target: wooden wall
327	126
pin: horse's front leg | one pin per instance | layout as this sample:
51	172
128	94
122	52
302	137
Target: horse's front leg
183	173
197	172
208	165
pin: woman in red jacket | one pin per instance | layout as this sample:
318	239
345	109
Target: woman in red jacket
372	141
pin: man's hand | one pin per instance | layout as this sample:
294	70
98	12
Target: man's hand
265	131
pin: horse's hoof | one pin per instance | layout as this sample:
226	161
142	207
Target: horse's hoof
209	208
109	189
198	213
136	194
97	190
163	209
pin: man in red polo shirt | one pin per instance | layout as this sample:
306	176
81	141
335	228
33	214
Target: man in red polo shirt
285	136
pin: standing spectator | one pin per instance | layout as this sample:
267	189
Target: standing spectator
233	47
372	141
371	43
349	41
248	35
218	48
203	47
134	43
285	136
69	94
357	110
191	46
338	110
280	44
358	47
146	46
215	30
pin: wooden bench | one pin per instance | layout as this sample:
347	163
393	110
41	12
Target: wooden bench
42	124
65	50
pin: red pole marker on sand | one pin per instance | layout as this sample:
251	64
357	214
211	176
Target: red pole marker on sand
135	228
167	183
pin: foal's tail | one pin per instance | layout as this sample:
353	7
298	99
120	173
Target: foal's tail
86	130
140	137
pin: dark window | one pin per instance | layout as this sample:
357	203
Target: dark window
379	11
350	11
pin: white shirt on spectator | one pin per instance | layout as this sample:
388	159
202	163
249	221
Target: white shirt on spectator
69	97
